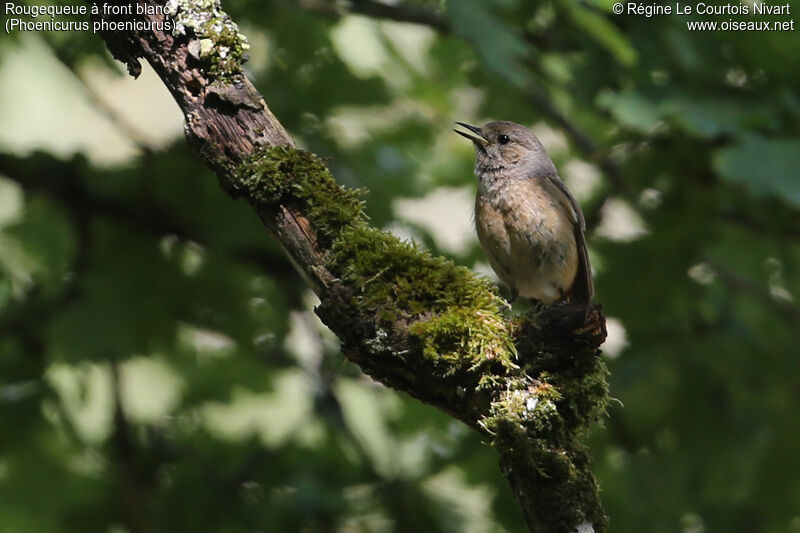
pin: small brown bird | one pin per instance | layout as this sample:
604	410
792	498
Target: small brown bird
529	225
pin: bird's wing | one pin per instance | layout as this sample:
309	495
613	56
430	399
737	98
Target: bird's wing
583	287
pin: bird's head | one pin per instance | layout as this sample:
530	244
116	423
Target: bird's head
507	148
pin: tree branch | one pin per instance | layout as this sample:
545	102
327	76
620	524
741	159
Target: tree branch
132	492
737	282
400	13
414	322
61	180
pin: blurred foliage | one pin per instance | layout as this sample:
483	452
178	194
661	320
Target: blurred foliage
160	369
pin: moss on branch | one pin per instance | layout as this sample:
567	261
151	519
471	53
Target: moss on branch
538	409
452	314
540	400
540	450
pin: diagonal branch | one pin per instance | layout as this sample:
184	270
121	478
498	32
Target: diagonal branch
741	283
61	180
415	322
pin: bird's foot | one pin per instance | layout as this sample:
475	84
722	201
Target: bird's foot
508	298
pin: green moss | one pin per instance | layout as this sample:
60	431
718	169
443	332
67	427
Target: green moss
551	351
527	406
585	390
541	454
559	482
219	44
283	175
536	425
452	313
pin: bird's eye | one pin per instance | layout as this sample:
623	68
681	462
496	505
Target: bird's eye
503	139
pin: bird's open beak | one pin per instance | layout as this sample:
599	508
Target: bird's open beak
476	136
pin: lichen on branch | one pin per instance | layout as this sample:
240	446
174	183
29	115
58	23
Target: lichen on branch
218	43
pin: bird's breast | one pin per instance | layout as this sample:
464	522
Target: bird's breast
527	238
523	210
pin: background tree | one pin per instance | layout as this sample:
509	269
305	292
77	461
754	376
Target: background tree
161	370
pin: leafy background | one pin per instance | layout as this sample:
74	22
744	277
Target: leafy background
160	366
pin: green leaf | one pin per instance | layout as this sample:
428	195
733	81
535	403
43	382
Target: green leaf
764	166
631	109
499	47
605	33
47	240
129	302
711	117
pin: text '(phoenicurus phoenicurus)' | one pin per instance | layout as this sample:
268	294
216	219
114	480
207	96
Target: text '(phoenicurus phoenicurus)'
529	225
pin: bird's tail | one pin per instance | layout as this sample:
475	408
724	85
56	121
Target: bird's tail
583	286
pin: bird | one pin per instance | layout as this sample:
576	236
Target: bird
529	225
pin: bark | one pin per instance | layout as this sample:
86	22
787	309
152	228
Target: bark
531	385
